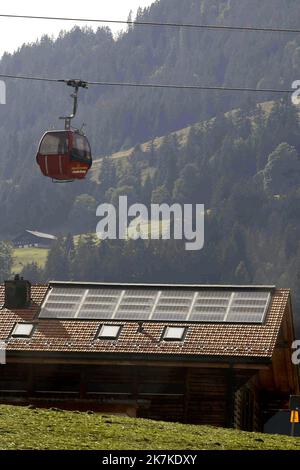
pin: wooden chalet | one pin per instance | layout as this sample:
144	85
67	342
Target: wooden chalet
218	355
31	238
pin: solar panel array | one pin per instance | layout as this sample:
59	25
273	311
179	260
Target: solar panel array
169	305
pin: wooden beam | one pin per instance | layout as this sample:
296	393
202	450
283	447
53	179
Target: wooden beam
117	362
186	395
82	384
230	398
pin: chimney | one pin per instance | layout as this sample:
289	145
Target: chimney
17	293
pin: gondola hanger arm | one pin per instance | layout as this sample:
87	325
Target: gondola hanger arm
76	84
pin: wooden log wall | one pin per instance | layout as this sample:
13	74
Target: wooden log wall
192	395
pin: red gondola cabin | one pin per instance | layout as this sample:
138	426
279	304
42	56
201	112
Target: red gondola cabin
64	155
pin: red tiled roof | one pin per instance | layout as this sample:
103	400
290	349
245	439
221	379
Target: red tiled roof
202	339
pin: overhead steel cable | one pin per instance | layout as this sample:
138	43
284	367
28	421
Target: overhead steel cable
83	84
192	87
40	79
157	24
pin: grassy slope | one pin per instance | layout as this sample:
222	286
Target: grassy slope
181	135
23	256
24	428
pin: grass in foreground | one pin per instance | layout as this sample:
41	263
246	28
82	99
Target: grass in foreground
26	428
23	256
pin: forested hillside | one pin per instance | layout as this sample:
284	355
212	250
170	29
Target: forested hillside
243	165
121	118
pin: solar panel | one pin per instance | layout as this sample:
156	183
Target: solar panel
62	303
248	307
99	302
168	305
173	306
210	306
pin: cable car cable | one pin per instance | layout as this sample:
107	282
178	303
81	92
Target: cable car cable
158	24
85	84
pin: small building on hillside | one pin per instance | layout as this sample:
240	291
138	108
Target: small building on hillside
218	355
30	238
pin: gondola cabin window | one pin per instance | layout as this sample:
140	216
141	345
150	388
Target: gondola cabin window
54	143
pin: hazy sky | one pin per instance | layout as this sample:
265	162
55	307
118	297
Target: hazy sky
15	32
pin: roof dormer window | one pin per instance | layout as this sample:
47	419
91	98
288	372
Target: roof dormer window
174	333
109	332
22	330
